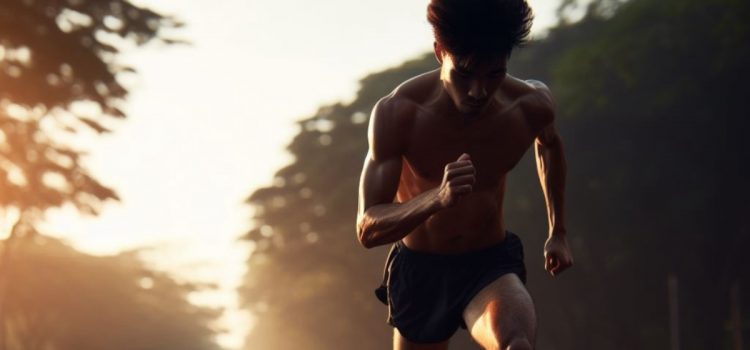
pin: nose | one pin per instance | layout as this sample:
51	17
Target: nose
477	90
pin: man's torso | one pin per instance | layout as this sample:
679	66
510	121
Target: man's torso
496	140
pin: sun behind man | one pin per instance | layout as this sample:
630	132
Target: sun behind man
442	144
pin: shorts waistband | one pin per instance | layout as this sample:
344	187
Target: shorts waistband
481	254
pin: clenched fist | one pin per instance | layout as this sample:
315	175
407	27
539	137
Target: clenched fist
458	181
557	256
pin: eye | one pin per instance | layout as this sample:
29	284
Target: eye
462	74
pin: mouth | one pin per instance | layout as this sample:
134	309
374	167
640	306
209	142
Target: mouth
475	103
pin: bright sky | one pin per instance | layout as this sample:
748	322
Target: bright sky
208	123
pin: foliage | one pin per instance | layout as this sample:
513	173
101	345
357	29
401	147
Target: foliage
60	78
63	299
308	224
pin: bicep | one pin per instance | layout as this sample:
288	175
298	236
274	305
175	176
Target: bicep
382	168
379	181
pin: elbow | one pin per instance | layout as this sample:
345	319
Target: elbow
549	139
366	244
553	141
365	241
364	233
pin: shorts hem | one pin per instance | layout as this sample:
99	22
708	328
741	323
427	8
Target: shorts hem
416	340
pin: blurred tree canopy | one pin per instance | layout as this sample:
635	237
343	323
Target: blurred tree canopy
310	282
63	299
651	97
60	78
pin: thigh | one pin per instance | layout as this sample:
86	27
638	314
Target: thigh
501	311
400	343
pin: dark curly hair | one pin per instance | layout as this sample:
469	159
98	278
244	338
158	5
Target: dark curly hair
480	28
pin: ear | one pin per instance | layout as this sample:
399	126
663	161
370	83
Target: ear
438	52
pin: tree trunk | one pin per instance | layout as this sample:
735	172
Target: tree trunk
4	270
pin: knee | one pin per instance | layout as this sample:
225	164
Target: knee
518	342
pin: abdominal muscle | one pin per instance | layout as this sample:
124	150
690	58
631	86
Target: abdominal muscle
475	222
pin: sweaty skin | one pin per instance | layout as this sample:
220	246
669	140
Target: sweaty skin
441	146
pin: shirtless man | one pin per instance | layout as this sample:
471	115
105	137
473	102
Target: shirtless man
441	145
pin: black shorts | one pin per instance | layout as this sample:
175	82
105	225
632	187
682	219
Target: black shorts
427	293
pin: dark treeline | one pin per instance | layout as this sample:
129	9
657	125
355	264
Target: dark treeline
59	298
59	73
652	104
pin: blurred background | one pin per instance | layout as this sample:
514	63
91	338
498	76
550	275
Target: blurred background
182	175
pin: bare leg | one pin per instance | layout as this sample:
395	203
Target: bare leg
400	343
502	316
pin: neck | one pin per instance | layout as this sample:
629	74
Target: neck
444	102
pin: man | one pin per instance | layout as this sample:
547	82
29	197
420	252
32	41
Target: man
442	144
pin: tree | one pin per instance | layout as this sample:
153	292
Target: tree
59	72
63	299
61	79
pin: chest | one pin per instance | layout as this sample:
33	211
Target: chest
494	144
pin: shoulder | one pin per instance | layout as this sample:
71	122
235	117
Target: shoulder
393	115
386	132
419	88
389	115
397	110
535	99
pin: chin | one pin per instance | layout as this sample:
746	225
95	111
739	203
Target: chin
470	111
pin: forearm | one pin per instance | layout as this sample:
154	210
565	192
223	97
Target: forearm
386	223
552	170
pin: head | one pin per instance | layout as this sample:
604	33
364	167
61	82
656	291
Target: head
473	42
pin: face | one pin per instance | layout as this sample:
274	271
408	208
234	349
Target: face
471	83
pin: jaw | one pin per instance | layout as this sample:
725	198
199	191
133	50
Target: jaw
472	111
